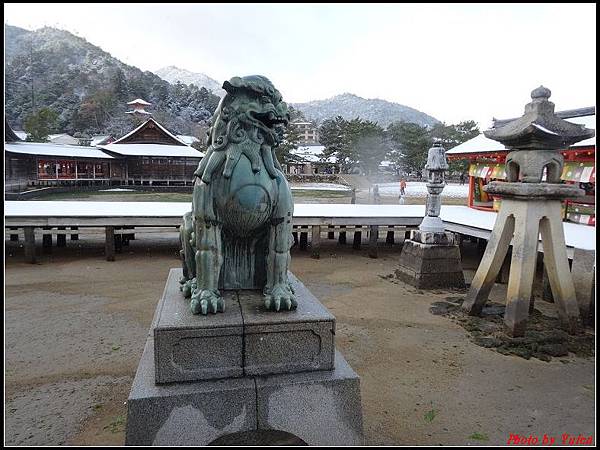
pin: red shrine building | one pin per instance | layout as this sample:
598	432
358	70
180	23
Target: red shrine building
148	155
486	159
152	155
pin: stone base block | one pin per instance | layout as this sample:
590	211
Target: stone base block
194	347
186	413
433	237
431	266
244	340
320	407
287	341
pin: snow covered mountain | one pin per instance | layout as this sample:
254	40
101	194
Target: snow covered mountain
350	106
174	74
87	88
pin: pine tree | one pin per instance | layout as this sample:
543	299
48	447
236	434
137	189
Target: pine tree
40	124
289	142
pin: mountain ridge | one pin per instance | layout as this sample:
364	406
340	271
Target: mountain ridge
88	87
173	74
347	104
350	106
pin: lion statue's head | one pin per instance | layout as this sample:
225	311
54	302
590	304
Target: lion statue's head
252	107
250	119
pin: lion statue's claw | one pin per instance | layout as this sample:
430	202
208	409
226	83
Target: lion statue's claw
207	301
280	297
187	287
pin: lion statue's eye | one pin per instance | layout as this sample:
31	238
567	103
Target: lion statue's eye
265	99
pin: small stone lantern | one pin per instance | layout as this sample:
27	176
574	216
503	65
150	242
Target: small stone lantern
436	168
430	259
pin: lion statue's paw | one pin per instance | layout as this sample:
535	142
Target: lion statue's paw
187	287
280	297
207	300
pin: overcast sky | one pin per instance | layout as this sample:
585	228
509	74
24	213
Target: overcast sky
454	62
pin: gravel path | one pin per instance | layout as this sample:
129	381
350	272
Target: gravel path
76	325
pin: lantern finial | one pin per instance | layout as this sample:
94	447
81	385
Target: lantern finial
541	92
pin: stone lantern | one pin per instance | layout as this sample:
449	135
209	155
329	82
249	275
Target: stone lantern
531	204
436	168
430	259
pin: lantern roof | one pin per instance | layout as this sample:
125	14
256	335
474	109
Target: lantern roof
539	128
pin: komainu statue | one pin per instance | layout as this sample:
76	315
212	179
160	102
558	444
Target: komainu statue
239	232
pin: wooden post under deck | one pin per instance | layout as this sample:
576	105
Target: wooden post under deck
316	242
29	244
373	237
109	245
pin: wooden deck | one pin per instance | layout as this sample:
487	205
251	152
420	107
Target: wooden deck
119	220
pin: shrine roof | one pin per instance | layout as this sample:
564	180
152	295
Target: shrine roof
482	144
50	149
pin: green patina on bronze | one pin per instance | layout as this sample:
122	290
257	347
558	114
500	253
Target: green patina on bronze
239	232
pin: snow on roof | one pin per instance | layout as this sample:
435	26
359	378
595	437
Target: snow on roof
544	129
153	150
481	144
312	149
49	149
189	140
138	111
54	136
139	101
589	122
155	123
311	153
478	144
97	140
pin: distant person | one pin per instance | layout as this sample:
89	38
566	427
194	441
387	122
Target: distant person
462	178
402	187
376	196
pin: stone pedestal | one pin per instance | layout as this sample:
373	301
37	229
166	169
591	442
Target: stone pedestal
431	260
206	377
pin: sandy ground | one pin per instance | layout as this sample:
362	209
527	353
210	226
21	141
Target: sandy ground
75	326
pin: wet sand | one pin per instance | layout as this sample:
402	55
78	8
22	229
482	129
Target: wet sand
76	324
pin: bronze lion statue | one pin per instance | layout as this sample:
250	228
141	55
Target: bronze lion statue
239	232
